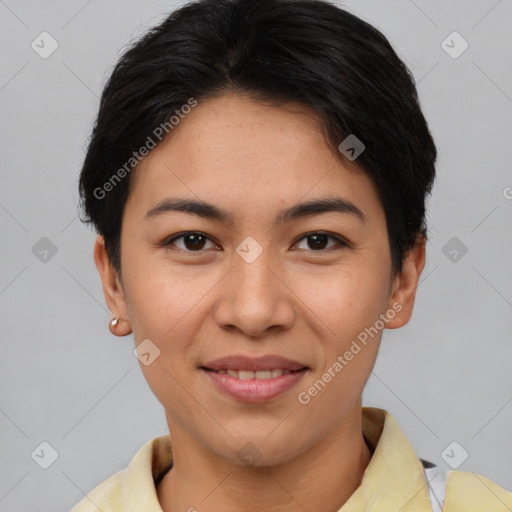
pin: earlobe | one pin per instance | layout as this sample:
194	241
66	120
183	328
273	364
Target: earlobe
405	285
112	289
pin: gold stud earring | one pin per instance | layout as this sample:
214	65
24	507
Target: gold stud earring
112	326
115	327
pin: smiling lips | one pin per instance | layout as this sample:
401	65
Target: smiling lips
262	363
259	374
254	379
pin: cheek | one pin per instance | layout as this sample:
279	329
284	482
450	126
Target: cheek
161	311
349	351
166	307
343	301
159	298
345	307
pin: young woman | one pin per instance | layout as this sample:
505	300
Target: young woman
257	177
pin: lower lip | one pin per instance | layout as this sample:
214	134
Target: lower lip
255	390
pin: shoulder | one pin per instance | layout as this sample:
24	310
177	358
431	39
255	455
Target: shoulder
470	492
133	488
106	496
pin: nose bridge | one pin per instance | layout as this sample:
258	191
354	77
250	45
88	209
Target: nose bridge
255	298
253	272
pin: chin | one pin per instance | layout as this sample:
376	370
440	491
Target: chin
260	450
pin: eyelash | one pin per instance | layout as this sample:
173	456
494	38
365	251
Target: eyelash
340	241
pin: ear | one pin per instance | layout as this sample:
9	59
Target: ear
112	288
405	284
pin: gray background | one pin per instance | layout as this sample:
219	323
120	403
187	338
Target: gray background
66	380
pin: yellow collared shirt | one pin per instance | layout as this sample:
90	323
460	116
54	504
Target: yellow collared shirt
393	481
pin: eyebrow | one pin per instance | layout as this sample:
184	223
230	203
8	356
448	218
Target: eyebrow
210	211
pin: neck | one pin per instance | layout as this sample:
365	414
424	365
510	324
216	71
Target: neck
323	478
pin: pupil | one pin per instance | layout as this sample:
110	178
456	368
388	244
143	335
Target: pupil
321	245
196	241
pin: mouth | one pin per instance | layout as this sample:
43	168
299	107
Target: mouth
254	380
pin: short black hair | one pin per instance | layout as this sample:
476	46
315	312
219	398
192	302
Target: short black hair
307	51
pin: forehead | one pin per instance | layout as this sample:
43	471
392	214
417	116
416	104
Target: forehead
247	153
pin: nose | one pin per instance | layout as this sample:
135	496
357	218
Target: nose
255	298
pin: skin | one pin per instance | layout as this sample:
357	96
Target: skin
294	300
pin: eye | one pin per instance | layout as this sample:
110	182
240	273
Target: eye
193	241
318	241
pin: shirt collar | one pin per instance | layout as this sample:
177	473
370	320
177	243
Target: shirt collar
393	480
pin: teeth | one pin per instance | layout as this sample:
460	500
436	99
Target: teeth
262	374
259	375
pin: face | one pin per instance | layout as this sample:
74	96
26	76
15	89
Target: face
212	293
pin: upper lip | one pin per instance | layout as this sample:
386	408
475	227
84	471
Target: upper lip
267	362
